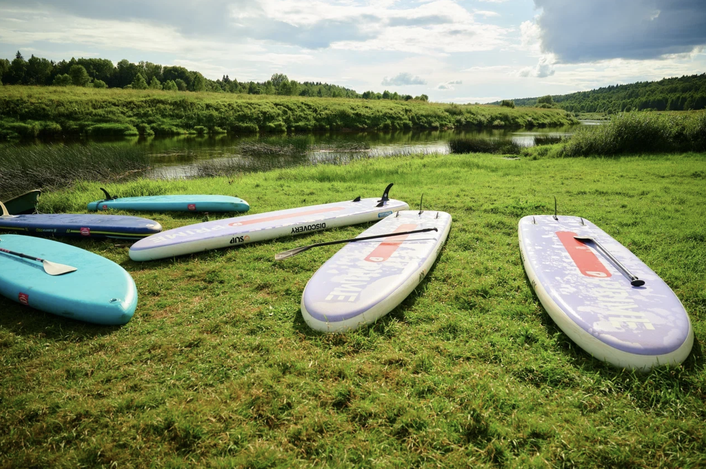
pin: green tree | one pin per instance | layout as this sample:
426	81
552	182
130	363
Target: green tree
199	83
62	80
99	84
18	67
508	103
181	84
155	84
169	85
79	75
38	71
139	83
4	68
545	100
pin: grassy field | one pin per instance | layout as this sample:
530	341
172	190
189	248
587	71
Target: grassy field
29	112
217	368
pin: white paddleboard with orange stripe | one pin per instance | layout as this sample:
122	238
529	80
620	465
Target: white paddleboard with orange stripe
263	226
367	279
601	295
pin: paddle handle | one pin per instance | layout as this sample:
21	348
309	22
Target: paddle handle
634	280
19	254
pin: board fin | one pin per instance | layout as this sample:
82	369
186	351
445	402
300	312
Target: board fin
108	196
421	201
385	195
555	217
5	213
357	199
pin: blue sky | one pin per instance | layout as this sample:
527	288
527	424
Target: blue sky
453	51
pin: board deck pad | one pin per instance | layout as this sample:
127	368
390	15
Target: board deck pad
365	280
593	301
173	203
81	225
99	291
260	227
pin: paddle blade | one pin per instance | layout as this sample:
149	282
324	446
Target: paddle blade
291	252
52	268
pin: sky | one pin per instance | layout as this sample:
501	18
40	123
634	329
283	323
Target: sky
451	50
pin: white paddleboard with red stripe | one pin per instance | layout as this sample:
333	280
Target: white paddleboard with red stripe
263	226
601	295
367	279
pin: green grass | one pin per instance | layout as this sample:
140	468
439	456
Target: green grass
217	367
28	112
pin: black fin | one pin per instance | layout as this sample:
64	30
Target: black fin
108	196
385	195
555	217
357	199
421	201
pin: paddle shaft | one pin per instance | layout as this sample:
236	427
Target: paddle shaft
292	252
364	238
19	254
634	281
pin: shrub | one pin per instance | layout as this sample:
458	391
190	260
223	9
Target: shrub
99	84
62	80
547	139
483	145
112	130
508	103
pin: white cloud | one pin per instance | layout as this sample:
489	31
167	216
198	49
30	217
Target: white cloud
403	79
543	69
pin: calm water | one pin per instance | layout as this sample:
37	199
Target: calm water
193	156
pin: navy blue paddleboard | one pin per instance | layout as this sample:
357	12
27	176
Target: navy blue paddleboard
86	225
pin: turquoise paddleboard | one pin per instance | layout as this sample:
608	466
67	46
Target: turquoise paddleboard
99	291
172	203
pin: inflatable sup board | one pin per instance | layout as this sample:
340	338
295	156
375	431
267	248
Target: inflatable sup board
81	225
98	291
171	203
367	279
263	226
601	295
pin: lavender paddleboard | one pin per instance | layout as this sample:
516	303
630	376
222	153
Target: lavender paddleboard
367	279
593	301
263	226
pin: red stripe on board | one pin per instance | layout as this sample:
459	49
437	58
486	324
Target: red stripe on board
583	257
388	248
285	216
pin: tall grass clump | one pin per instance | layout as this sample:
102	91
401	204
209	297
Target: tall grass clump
640	132
547	139
53	166
483	145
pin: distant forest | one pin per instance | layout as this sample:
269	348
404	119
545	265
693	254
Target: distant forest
102	73
670	94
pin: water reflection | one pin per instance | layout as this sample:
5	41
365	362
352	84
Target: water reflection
188	156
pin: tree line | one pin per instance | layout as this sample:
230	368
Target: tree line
102	73
670	94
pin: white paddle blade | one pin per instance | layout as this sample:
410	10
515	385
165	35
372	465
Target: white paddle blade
52	268
290	253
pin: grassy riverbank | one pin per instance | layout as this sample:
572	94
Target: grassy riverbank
29	112
218	368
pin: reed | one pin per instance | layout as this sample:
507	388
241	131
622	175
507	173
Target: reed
54	166
640	132
483	145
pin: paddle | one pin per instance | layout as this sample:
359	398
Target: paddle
634	281
295	251
52	268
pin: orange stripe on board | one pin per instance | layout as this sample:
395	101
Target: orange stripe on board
388	248
583	257
285	216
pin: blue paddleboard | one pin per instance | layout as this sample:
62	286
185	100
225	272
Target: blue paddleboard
99	291
172	203
86	225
